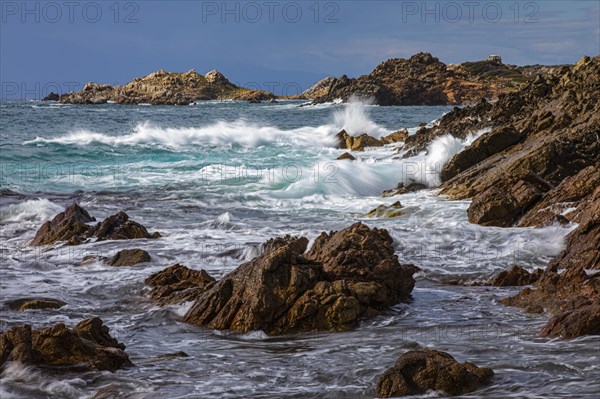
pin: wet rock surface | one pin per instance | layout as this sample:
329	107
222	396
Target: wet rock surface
515	276
24	304
386	211
73	226
419	371
178	284
130	257
346	275
88	346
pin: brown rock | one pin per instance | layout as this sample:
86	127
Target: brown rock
178	284
386	211
358	143
24	304
130	257
346	155
485	146
65	226
297	244
493	207
516	276
396	137
119	227
418	371
361	254
346	275
573	323
87	346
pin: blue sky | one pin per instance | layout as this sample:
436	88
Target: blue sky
274	44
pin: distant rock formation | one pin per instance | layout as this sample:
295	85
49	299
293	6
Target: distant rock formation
425	80
166	88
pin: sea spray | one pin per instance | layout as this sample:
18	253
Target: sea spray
354	118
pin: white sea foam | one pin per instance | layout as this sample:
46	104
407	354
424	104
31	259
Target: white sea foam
30	210
240	133
354	118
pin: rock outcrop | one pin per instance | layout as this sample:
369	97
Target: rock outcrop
423	80
347	275
85	347
73	226
166	88
386	211
357	143
418	371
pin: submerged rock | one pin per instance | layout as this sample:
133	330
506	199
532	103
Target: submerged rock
87	346
404	188
386	211
24	304
345	276
130	257
418	371
72	225
178	284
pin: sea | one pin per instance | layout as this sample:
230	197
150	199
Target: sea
218	178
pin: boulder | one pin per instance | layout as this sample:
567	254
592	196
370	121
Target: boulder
419	371
493	207
573	323
178	284
515	276
119	227
298	244
347	275
88	346
130	257
359	254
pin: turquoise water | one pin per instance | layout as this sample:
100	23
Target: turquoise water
217	179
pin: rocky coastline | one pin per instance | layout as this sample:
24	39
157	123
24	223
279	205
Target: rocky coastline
535	163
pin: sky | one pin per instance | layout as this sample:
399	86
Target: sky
281	46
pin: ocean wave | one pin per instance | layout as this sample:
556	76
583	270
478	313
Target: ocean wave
31	210
239	133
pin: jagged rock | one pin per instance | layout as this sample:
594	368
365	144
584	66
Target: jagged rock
494	207
130	257
65	226
178	284
386	211
347	275
71	226
23	304
346	155
418	371
404	188
297	244
361	254
515	276
87	346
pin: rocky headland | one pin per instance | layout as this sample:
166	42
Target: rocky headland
424	80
